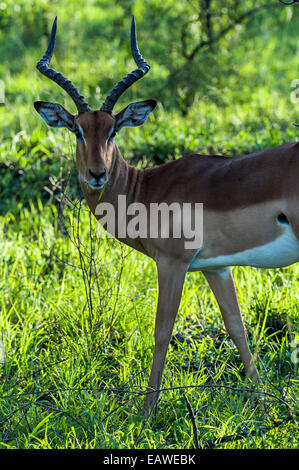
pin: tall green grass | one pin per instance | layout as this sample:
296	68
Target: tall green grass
77	343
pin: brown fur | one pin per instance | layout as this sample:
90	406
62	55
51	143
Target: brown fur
242	198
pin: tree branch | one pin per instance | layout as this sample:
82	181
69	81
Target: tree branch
192	416
208	26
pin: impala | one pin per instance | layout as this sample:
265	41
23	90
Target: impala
250	205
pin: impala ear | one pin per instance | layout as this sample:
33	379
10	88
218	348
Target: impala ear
135	114
55	115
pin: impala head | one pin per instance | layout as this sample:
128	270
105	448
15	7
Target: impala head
94	130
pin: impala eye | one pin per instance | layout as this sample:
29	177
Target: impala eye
111	135
282	219
79	133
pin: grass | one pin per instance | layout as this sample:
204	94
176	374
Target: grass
77	345
77	313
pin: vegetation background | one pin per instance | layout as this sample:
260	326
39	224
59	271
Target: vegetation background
77	314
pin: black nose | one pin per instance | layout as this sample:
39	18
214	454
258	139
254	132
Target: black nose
97	176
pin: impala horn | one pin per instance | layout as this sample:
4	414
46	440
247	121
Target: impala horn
132	77
63	82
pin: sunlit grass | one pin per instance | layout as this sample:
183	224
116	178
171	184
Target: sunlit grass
73	376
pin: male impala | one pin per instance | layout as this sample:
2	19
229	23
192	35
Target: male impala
250	205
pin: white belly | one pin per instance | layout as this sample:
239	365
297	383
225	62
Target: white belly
282	251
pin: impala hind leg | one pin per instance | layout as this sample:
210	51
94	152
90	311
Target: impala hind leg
223	287
171	277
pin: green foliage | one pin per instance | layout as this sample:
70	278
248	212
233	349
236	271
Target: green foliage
76	339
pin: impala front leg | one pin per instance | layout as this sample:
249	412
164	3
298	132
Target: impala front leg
171	275
223	286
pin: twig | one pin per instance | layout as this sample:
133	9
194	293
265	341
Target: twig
193	421
227	387
138	392
33	374
66	413
12	413
59	437
243	435
217	37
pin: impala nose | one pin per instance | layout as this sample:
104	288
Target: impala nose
98	179
97	176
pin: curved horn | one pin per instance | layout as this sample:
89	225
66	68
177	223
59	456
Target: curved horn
132	77
67	85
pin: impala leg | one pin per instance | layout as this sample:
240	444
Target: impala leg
170	280
223	286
